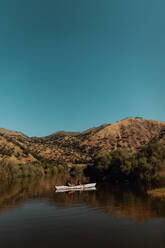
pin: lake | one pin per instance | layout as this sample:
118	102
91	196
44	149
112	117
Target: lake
33	215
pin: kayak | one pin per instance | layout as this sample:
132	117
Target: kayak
76	187
73	190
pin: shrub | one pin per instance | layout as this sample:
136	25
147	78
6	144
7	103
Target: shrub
120	166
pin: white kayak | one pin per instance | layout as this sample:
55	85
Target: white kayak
76	187
73	190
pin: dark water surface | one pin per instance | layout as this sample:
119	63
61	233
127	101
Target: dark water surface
33	215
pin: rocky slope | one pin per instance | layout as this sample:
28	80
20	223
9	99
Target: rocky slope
81	147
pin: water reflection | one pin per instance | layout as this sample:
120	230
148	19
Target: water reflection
112	200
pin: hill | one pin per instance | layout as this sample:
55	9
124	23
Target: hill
81	147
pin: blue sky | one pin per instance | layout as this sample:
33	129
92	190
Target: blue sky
73	64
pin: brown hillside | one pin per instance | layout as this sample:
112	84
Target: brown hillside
76	147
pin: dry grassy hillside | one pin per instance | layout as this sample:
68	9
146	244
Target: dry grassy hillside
75	147
14	147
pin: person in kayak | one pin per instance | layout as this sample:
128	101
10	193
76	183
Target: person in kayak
68	184
79	182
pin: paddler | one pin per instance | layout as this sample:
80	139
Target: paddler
78	182
68	183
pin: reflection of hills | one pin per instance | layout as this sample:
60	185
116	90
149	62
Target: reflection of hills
113	201
130	205
17	193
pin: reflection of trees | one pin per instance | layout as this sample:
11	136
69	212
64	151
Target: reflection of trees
127	204
112	200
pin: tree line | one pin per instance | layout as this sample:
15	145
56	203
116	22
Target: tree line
146	166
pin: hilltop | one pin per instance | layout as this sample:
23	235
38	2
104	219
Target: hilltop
81	147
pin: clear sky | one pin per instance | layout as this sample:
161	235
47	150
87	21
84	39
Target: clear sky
74	64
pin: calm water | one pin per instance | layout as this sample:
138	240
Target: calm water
33	215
